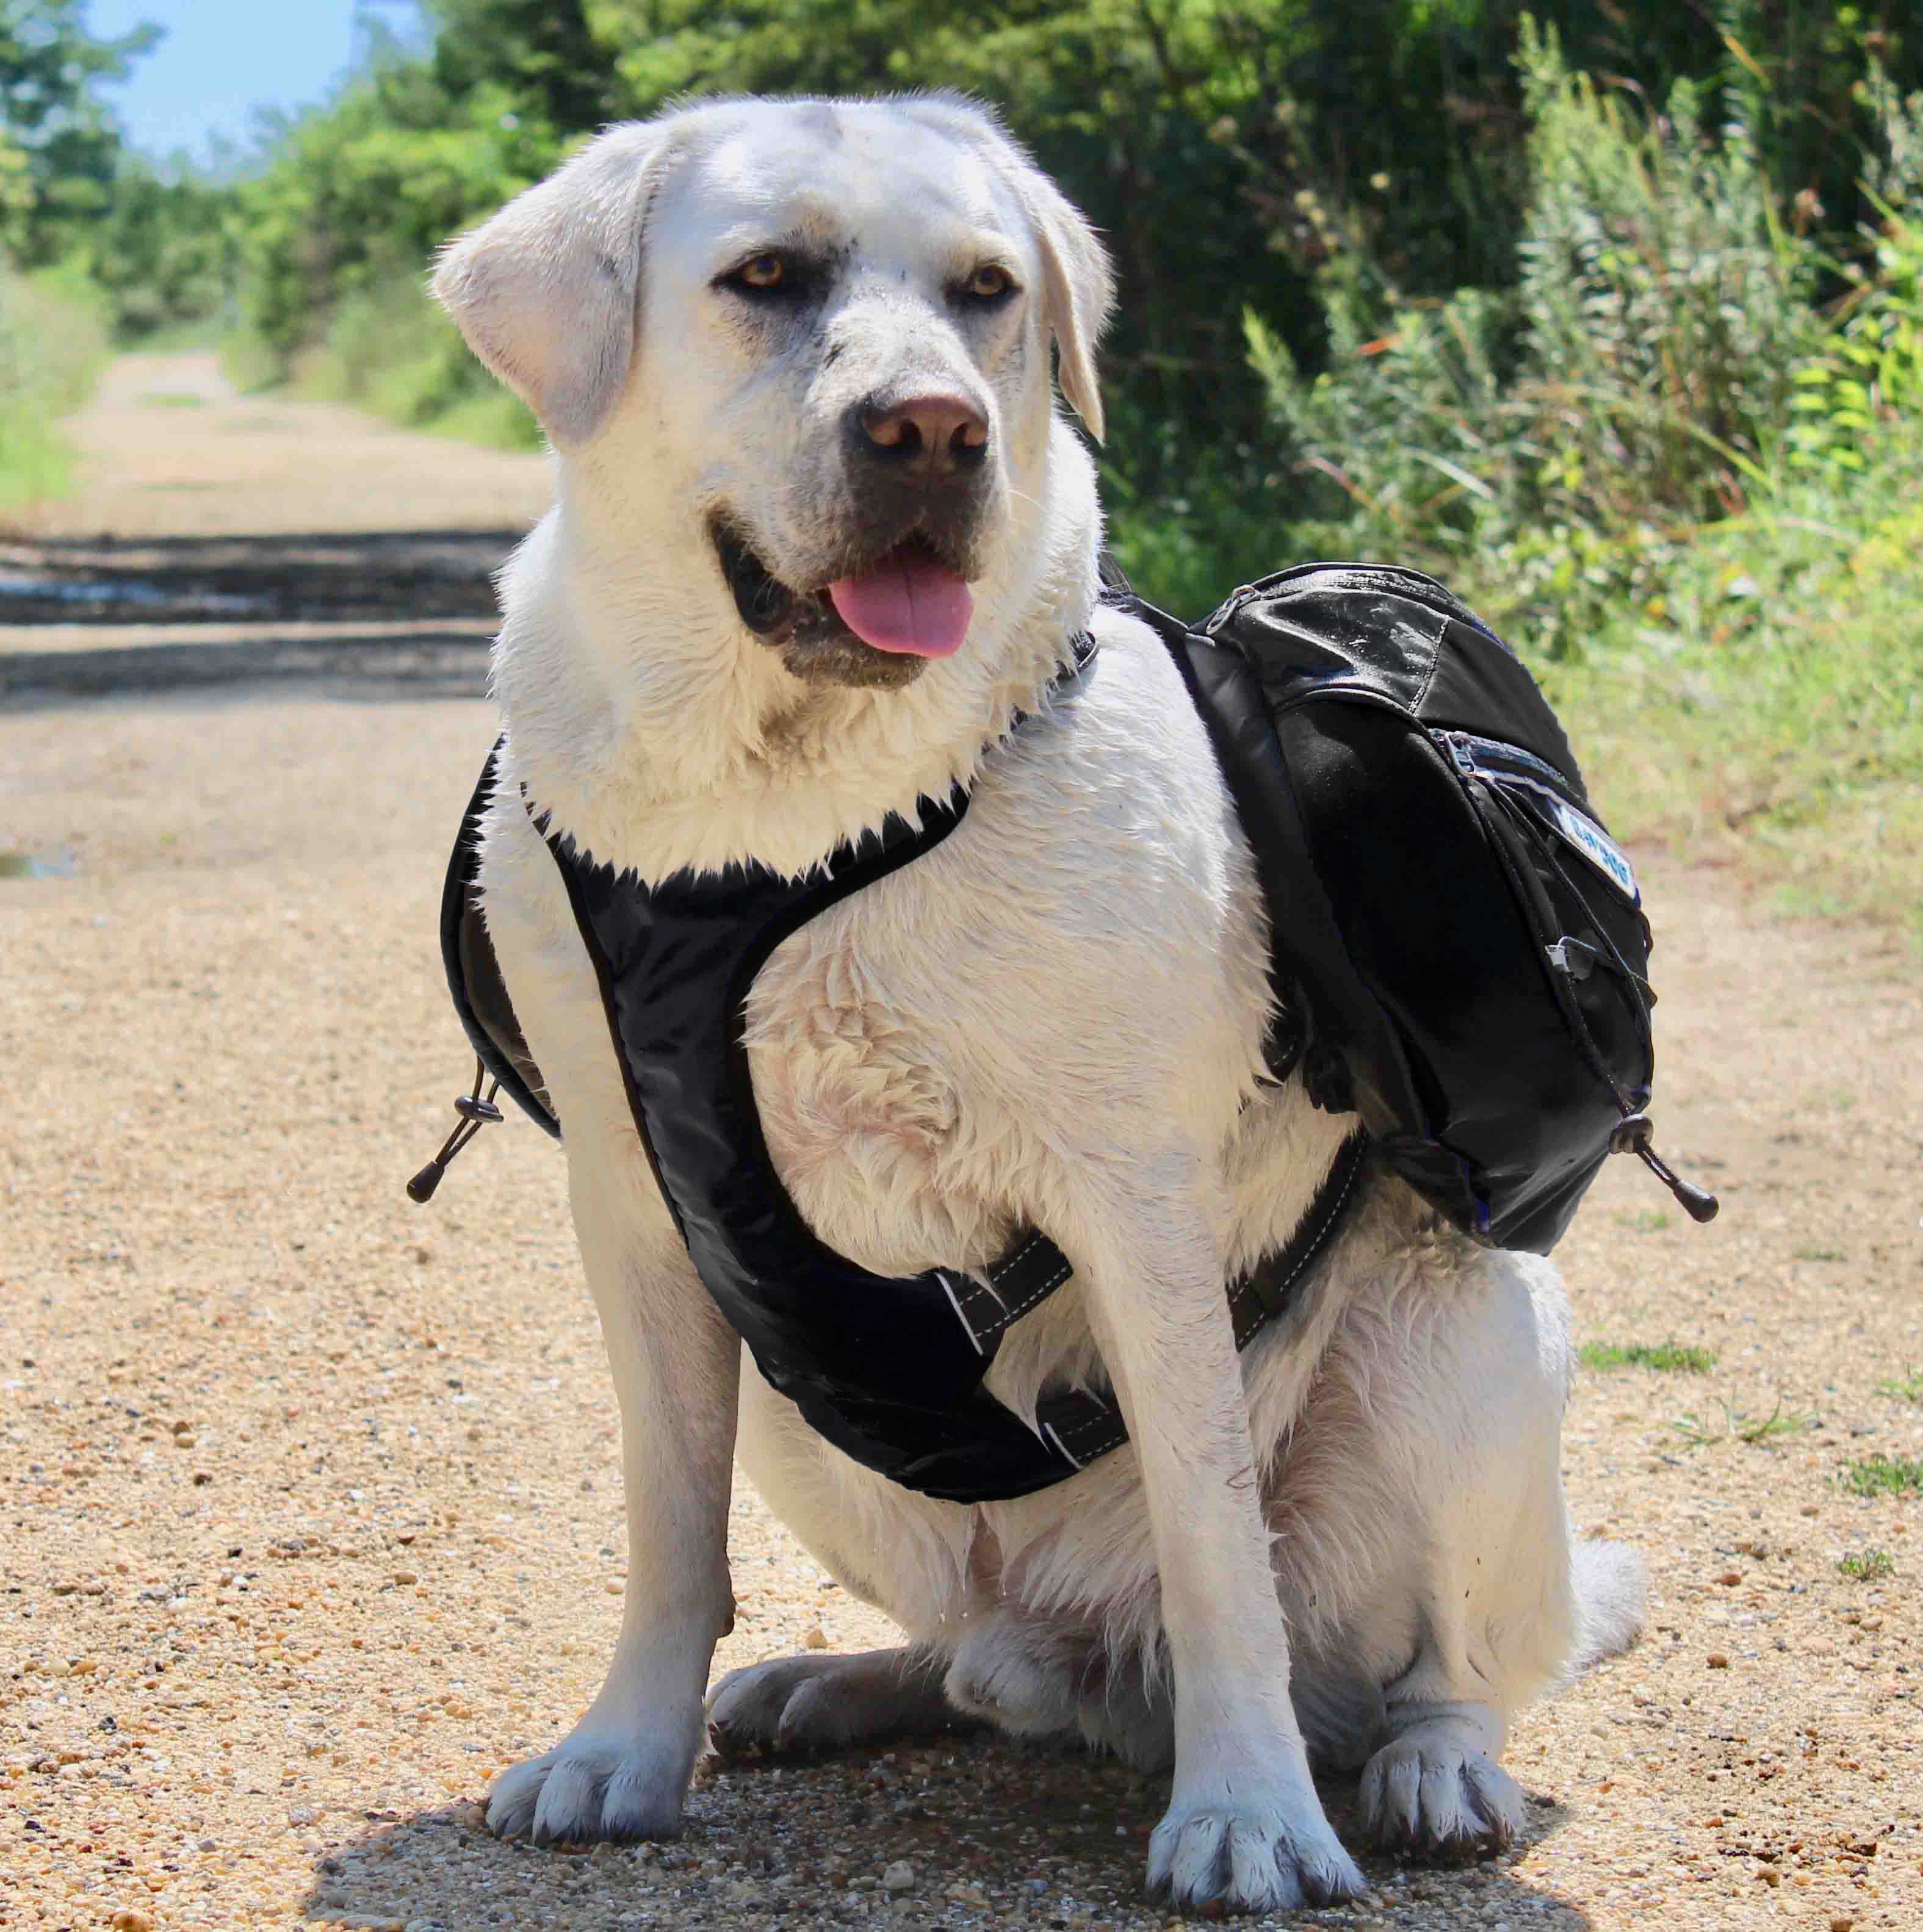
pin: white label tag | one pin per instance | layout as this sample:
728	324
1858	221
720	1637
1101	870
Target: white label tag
1599	848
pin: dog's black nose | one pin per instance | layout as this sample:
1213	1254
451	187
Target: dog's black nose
937	430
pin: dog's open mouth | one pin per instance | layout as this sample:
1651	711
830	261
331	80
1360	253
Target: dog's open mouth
910	601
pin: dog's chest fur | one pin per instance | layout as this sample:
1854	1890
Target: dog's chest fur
1082	964
923	1051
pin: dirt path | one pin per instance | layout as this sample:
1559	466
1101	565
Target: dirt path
311	1511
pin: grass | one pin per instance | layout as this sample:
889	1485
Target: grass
252	365
53	344
1644	1221
1884	1476
1867	1566
1908	1388
1671	1358
1698	1432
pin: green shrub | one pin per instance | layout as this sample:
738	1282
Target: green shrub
1868	378
1559	445
389	349
53	342
1692	497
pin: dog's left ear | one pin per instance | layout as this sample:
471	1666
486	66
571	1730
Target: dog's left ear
547	292
1078	291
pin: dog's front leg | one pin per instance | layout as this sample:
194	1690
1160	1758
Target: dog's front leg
1244	1828
622	1772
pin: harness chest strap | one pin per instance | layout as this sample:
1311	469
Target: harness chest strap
888	1369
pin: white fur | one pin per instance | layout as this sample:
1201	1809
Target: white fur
1353	1540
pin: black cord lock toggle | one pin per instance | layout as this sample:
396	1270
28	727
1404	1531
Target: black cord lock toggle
1634	1134
475	1113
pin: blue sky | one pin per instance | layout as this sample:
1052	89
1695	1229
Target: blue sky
222	59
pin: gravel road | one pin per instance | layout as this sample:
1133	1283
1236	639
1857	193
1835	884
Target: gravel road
310	1513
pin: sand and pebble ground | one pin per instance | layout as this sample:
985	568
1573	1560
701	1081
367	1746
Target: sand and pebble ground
309	1502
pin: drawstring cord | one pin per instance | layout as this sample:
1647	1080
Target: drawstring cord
1632	1135
475	1113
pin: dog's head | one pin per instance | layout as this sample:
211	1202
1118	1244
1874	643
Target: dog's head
816	332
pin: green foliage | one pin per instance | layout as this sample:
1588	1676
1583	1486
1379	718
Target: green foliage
366	191
389	348
1905	1388
1883	1476
541	53
166	252
1670	1357
59	149
1772	685
1558	444
1868	377
53	340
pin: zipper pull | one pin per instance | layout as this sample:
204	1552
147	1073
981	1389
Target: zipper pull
1632	1135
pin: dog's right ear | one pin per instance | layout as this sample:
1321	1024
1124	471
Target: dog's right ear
547	292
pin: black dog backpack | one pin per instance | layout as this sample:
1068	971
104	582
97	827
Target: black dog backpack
1459	948
1459	956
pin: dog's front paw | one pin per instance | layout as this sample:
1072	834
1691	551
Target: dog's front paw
1250	1857
1438	1798
591	1787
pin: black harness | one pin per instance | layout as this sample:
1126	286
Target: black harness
887	1368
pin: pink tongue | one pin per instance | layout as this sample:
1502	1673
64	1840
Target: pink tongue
919	608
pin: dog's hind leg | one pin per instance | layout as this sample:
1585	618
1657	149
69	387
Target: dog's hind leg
800	1705
1440	1403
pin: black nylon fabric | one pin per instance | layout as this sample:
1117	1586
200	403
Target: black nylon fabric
1320	630
1461	935
481	1002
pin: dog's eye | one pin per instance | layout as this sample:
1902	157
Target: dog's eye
761	273
989	282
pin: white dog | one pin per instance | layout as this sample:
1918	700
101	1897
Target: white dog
800	351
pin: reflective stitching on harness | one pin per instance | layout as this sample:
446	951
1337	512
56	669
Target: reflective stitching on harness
967	1327
966	1294
1238	1294
1355	1167
1048	1288
1103	1419
1010	1262
1062	1449
1109	1420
